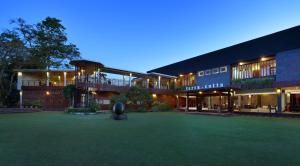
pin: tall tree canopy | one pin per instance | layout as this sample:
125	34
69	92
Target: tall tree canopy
43	45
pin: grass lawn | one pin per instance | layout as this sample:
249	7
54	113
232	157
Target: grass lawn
147	139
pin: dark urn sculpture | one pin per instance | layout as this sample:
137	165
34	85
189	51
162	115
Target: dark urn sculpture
118	111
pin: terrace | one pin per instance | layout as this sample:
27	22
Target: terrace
97	77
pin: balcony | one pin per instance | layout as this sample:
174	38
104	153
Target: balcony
26	83
254	83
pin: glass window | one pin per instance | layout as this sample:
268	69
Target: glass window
254	70
215	71
207	72
223	69
201	73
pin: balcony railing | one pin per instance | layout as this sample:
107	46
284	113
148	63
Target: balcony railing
44	83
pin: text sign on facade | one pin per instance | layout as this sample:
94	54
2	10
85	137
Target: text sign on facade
209	86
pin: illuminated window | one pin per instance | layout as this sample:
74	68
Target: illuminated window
254	70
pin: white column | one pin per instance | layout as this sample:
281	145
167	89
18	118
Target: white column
209	103
130	79
147	86
21	99
65	78
20	80
48	78
159	82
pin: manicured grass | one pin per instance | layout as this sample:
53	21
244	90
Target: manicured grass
147	139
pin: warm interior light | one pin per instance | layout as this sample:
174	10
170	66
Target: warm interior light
215	91
200	92
47	93
94	93
263	59
241	63
181	75
278	90
58	77
19	73
54	83
191	73
154	95
288	94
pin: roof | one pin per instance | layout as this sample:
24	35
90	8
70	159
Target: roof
43	70
253	49
123	72
92	64
84	63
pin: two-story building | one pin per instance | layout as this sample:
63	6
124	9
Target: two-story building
252	76
260	75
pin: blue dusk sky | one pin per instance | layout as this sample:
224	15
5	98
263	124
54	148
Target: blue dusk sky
141	35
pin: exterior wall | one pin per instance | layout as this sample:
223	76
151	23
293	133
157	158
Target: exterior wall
170	99
218	80
288	68
103	98
54	101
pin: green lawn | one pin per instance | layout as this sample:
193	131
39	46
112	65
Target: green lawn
147	139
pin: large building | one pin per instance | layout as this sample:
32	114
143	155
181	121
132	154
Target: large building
259	75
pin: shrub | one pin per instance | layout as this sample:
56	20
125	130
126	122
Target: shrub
71	109
161	107
94	107
34	104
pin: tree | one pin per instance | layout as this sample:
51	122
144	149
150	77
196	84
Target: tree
47	42
69	93
43	45
13	55
136	98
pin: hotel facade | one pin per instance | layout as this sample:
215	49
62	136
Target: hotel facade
261	75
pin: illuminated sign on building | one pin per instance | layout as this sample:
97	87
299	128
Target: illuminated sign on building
209	86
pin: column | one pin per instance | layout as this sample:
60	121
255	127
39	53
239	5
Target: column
20	80
279	100
21	99
65	78
48	78
209	103
229	101
130	79
159	82
239	101
187	102
177	101
123	80
147	86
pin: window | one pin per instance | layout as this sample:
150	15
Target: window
201	73
223	69
215	71
254	70
207	72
